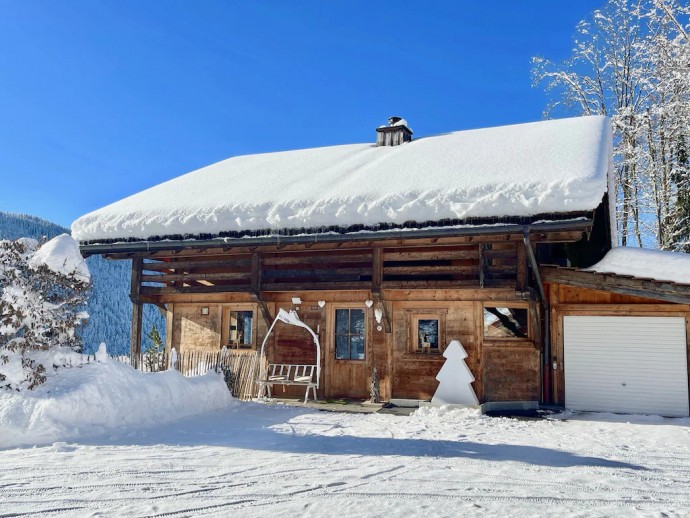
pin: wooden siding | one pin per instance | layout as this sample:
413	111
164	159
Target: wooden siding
455	278
504	370
480	264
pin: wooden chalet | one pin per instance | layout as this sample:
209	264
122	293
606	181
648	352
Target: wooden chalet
221	250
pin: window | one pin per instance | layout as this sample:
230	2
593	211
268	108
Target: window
427	334
241	329
426	330
349	334
502	322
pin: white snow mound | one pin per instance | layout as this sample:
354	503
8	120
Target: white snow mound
61	255
94	398
522	170
649	264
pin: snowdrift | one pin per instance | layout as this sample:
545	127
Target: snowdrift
90	399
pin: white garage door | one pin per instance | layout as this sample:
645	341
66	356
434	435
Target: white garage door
626	364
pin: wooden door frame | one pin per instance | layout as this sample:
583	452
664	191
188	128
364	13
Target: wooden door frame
330	362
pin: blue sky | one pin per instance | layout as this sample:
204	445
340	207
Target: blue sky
102	99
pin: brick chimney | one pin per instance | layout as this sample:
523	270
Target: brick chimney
394	134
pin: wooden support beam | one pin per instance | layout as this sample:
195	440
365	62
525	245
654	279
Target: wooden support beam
169	328
200	276
166	290
137	311
255	289
316	257
469	282
229	264
482	272
321	272
433	254
521	280
376	287
645	288
419	271
377	271
256	273
316	286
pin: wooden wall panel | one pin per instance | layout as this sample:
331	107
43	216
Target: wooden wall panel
414	374
575	295
193	331
402	373
511	373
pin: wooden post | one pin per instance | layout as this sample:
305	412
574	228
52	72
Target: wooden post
481	265
256	273
137	312
169	339
255	289
521	281
377	270
376	281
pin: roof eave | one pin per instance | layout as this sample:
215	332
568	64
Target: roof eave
583	224
616	283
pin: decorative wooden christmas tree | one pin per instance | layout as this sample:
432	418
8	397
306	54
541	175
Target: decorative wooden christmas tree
455	379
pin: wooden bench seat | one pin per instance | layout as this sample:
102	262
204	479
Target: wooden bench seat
288	375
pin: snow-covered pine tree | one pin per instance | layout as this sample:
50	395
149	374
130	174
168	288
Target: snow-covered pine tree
42	296
152	357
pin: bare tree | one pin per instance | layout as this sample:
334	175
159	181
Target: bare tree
630	62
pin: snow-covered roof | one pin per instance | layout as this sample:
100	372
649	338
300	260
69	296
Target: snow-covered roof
648	264
525	170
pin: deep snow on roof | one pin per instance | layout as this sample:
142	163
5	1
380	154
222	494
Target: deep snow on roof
648	264
510	171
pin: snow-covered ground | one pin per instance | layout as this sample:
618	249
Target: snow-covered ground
252	459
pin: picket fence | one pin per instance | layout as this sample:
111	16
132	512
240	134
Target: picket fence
239	368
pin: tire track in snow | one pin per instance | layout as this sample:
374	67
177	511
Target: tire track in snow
537	500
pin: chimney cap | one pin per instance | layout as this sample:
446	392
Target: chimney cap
397	132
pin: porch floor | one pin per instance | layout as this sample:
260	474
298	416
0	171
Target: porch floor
355	406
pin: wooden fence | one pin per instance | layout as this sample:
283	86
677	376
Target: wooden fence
239	368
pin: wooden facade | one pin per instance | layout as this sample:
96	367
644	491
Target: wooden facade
448	280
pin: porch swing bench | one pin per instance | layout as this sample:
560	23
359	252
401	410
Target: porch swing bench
287	374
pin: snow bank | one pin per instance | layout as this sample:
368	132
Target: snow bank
61	255
522	170
89	399
649	264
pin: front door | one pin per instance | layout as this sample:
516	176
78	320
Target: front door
347	352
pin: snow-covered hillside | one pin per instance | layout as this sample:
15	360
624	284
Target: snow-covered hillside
109	305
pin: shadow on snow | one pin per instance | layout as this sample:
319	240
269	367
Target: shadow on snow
253	427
